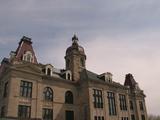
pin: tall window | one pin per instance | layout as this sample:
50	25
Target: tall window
132	117
112	104
98	99
98	118
123	104
131	105
141	105
24	111
5	90
26	89
48	94
69	115
69	97
47	114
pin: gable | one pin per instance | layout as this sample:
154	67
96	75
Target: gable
28	67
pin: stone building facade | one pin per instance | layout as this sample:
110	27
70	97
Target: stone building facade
30	90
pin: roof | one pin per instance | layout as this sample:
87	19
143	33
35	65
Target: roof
91	76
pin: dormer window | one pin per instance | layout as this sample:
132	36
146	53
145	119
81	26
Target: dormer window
28	56
48	69
106	76
67	75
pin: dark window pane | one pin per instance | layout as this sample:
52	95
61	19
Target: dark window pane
111	103
69	97
69	115
24	111
98	99
48	94
47	114
26	89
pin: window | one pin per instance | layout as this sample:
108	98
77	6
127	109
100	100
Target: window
26	89
69	115
48	94
28	56
24	111
124	118
68	76
132	117
131	105
47	114
49	71
123	104
141	105
3	111
142	117
112	104
98	118
69	97
5	90
98	99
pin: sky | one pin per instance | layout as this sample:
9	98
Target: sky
119	36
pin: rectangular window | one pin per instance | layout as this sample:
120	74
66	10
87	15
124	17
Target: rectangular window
98	99
123	104
24	111
111	103
69	115
5	90
132	117
98	118
47	114
131	105
26	89
143	117
141	105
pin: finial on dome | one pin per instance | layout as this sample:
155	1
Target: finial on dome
75	38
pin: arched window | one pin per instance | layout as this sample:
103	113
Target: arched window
48	94
68	76
69	97
48	71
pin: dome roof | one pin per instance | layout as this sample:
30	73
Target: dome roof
75	47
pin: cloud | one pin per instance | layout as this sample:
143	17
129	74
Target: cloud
123	35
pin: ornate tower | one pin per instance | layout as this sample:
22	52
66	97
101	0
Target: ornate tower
75	59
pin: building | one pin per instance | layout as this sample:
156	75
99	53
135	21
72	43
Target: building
30	90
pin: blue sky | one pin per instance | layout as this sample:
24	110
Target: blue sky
119	36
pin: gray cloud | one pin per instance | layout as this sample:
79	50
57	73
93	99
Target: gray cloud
122	34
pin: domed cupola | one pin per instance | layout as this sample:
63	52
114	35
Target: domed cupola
75	58
76	48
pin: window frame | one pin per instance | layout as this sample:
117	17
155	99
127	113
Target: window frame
112	103
24	111
98	98
69	98
47	114
48	94
26	89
